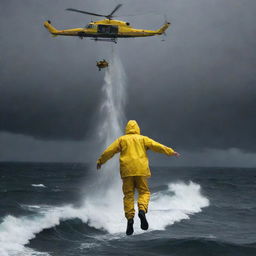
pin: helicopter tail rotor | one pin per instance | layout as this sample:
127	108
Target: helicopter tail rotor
163	28
165	23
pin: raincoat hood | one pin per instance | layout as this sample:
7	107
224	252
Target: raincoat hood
132	127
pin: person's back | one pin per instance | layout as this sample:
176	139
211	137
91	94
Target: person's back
134	169
133	153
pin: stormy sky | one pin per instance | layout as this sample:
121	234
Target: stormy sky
196	91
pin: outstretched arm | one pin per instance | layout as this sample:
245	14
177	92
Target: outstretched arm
109	153
157	147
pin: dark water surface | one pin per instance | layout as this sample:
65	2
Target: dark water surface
226	227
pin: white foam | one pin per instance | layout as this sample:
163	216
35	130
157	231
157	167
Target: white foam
166	207
103	213
16	232
38	185
33	208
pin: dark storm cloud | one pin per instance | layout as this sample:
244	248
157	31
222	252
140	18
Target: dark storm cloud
46	89
199	90
195	90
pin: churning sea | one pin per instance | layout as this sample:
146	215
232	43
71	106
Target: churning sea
63	210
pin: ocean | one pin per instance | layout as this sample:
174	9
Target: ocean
62	209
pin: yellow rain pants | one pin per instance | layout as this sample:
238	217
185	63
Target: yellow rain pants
129	185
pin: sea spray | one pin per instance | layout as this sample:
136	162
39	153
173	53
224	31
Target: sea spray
177	203
113	102
105	204
111	117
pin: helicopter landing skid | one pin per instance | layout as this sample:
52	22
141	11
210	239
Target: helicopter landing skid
111	40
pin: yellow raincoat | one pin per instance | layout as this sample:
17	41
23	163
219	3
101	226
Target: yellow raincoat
134	166
133	151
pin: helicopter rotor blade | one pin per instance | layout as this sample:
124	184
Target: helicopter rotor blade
139	14
90	13
111	14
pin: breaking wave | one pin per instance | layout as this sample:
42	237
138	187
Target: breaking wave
178	202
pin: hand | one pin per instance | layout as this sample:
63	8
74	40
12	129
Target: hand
176	154
98	166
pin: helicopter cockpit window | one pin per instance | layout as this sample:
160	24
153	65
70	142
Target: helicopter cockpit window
107	29
89	26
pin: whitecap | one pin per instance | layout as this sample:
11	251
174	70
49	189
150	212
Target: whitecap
38	185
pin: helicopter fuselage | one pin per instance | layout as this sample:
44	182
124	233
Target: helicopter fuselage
106	28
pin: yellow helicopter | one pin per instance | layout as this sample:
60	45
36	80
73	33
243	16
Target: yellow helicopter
108	29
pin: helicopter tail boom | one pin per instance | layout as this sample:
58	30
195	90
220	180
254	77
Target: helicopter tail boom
51	29
163	28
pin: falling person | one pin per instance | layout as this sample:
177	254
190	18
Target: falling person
134	169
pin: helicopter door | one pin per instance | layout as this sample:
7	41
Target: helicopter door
108	29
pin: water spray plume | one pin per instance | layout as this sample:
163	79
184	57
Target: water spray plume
107	202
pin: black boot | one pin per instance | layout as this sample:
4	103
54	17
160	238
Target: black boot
143	220
129	230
